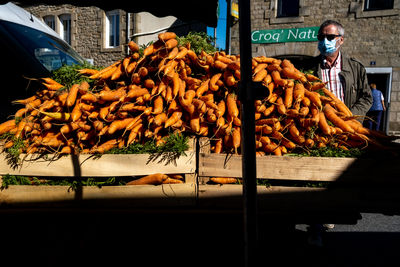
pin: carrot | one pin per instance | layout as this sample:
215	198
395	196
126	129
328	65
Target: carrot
25	101
134	133
236	137
316	86
131	67
159	119
202	88
7	126
174	118
34	104
339	105
112	95
293	73
136	91
109	69
276	77
298	92
220	65
330	114
76	112
217	148
312	78
63	116
166	36
72	95
323	124
199	105
134	47
195	123
119	125
280	106
288	99
260	75
170	180
314	98
232	107
117	72
87	71
152	179
224	180
105	146
182	53
213	86
53	87
272	148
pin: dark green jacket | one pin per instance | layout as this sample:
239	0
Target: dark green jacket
357	94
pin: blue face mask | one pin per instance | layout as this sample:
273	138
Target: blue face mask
327	47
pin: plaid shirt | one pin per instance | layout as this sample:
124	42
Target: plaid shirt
330	74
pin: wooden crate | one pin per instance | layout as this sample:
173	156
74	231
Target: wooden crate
352	184
108	165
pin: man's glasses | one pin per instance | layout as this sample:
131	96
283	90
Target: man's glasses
330	37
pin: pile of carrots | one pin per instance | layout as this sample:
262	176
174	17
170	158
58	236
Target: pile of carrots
170	89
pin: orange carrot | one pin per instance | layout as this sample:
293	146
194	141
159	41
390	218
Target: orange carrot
7	126
152	179
134	47
224	180
202	88
232	107
72	95
175	117
336	120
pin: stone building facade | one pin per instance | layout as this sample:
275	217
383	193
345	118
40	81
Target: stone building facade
89	33
371	36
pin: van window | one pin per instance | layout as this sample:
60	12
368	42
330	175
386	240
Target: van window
50	51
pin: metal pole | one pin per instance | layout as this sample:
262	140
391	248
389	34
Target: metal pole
248	133
228	27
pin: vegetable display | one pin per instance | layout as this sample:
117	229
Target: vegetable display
169	89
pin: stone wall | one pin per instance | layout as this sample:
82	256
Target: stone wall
87	31
369	36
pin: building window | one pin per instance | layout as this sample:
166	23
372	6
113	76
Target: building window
287	8
65	27
371	5
112	29
50	21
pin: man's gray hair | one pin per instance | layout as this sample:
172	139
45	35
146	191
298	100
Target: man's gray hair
332	22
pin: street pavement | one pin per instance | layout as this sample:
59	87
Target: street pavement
123	239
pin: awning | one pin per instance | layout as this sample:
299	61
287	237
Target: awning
204	11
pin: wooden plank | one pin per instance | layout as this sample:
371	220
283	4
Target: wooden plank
303	168
108	165
134	196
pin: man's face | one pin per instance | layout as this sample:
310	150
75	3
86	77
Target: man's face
332	29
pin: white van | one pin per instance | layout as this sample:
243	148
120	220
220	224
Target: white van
28	49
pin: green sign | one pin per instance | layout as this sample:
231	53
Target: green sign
308	34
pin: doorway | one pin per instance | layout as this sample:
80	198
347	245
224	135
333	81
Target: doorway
382	77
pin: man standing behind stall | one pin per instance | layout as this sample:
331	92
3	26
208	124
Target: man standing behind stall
345	76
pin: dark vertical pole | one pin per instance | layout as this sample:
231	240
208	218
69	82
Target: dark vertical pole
248	133
228	27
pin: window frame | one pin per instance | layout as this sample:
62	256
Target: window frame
367	8
279	8
66	35
115	15
51	17
358	9
272	14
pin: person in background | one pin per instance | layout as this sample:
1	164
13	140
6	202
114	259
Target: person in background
374	115
345	77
